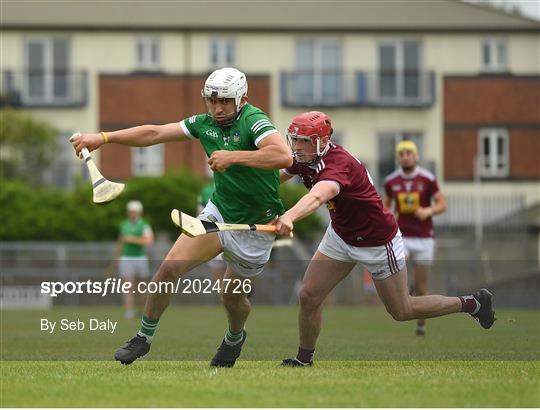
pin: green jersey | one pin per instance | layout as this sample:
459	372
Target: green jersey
138	228
243	194
206	193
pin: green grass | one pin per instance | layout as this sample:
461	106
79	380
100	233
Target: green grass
264	384
364	359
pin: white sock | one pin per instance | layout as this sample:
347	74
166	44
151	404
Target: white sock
148	338
233	343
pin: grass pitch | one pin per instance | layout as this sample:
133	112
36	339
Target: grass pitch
364	359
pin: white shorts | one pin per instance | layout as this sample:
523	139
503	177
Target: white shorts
133	267
381	261
245	251
419	250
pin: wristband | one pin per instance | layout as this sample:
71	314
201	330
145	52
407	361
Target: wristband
105	137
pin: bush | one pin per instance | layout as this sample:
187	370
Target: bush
308	227
50	214
42	214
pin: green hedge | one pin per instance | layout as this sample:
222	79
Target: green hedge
308	227
41	214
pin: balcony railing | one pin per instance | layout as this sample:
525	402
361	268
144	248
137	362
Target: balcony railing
358	89
39	88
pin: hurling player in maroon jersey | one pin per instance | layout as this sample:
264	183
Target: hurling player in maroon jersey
417	196
361	230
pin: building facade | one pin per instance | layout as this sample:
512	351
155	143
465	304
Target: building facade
460	80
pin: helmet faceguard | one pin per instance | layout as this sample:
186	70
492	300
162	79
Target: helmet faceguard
225	83
313	126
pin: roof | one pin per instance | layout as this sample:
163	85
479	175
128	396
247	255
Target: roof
260	15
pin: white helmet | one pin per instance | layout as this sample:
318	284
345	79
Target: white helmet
226	82
134	206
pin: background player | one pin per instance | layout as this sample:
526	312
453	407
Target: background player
135	237
413	188
361	230
245	151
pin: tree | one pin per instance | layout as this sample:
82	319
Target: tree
28	146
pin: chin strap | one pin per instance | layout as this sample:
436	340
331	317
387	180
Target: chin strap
324	151
320	154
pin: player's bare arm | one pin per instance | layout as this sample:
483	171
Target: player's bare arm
439	206
140	136
284	176
145	240
322	192
387	202
272	153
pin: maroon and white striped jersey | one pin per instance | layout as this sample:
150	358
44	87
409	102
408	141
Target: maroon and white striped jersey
410	192
357	212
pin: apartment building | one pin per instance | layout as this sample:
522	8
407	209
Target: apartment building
460	80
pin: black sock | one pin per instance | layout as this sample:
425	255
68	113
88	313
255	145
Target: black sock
305	355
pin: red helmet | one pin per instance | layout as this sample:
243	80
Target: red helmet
315	126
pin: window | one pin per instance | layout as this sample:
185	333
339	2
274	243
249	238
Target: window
47	70
493	152
147	160
319	71
222	52
399	70
494	55
338	137
148	53
63	169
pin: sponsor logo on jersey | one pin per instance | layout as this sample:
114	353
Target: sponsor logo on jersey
331	205
269	212
396	187
236	137
408	202
212	133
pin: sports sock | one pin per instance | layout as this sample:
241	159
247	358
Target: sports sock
232	338
305	355
469	304
148	327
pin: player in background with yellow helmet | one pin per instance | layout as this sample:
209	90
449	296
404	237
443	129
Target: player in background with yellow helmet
417	198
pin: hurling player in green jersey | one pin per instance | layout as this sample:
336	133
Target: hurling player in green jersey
245	152
131	255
